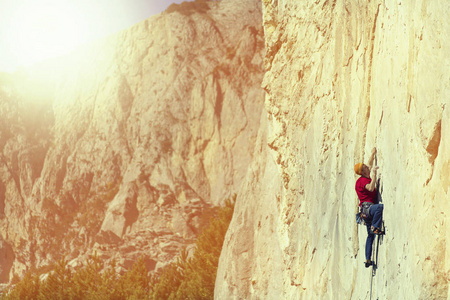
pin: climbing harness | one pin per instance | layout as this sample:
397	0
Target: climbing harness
365	211
363	217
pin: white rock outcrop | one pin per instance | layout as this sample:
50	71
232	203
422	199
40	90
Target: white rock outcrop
341	78
128	145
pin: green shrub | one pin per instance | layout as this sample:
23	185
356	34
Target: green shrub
27	288
189	8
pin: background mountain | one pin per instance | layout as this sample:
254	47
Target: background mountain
122	147
341	78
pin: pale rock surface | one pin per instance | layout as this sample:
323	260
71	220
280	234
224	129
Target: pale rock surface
7	258
123	151
341	78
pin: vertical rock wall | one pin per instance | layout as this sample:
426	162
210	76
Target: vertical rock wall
341	78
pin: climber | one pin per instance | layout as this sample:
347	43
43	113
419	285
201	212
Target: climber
371	211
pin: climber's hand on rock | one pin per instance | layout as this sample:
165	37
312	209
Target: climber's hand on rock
374	150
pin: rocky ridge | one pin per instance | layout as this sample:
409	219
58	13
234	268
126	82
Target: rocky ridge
341	78
122	147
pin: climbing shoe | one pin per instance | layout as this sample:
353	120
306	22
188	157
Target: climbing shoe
376	230
368	263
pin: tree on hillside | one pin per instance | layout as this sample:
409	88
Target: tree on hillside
194	278
188	278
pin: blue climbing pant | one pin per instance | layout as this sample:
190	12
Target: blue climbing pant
376	212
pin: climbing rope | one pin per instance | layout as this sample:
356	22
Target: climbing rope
375	257
374	269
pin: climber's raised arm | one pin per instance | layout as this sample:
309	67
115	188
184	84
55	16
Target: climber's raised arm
373	176
372	156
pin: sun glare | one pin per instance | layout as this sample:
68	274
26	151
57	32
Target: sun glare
40	31
35	30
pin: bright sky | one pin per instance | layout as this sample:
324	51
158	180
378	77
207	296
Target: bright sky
33	30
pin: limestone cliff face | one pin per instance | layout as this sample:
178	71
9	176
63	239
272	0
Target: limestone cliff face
125	148
341	78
